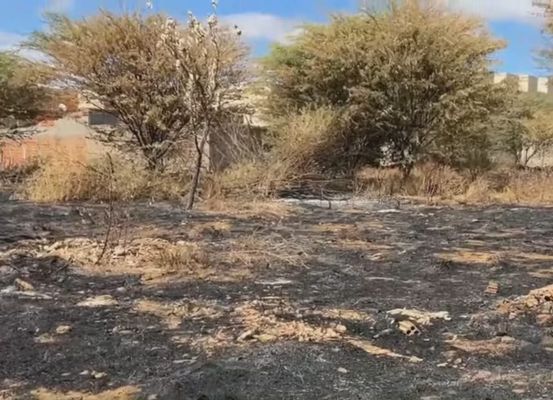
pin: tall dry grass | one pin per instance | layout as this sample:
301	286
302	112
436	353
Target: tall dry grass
71	176
426	180
435	182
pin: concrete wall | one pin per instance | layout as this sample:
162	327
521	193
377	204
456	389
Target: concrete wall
527	83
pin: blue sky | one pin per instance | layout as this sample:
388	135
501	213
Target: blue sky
266	21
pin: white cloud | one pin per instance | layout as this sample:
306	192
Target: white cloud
498	10
259	26
59	6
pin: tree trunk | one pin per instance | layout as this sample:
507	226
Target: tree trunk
197	172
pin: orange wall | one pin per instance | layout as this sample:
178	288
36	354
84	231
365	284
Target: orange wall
13	154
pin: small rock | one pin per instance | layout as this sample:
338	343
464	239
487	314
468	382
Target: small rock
63	329
23	286
342	370
458	361
86	372
493	288
152	397
99	375
442	365
340	328
121	289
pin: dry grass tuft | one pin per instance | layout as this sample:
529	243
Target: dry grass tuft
437	182
427	180
262	251
497	347
123	393
177	258
215	229
173	314
467	256
68	177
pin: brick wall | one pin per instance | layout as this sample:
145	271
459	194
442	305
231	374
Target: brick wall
18	153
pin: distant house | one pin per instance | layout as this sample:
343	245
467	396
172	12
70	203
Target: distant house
527	83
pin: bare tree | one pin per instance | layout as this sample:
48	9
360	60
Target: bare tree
210	76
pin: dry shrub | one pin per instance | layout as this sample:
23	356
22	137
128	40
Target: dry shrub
517	186
379	181
303	143
433	180
259	251
67	178
478	191
305	140
527	186
427	180
181	257
216	229
250	179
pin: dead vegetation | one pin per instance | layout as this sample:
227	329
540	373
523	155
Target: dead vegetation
357	290
68	176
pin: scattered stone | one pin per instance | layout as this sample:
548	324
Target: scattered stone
342	370
98	375
340	328
98	301
23	286
85	373
493	288
442	365
458	361
63	329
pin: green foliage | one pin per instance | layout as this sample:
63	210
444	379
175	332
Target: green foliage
124	65
412	79
525	128
22	97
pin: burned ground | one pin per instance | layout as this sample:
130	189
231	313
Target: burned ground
275	301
